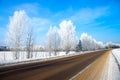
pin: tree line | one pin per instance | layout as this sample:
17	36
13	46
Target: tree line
20	37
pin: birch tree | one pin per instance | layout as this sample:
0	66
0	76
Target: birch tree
67	34
16	30
29	42
53	40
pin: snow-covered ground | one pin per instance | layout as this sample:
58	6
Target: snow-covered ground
111	71
7	57
116	53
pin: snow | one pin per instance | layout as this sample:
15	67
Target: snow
116	53
111	70
6	57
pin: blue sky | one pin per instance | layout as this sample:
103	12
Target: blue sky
99	18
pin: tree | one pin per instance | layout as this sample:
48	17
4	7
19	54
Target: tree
16	30
29	42
67	34
53	40
112	45
88	43
79	46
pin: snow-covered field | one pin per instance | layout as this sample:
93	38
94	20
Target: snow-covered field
7	57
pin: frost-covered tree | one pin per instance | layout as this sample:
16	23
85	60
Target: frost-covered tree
88	43
16	27
112	45
67	34
29	42
53	40
100	45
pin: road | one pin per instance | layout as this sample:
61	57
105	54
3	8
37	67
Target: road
98	70
57	69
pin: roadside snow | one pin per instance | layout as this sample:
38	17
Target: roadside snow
7	57
111	69
116	53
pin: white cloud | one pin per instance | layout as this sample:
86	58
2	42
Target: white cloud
89	15
39	24
31	8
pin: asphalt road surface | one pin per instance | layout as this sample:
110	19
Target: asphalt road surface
98	70
56	69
